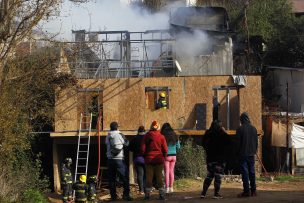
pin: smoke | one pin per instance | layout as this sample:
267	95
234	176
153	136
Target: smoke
193	44
104	15
109	15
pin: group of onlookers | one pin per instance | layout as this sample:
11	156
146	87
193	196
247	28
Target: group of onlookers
153	152
154	156
217	144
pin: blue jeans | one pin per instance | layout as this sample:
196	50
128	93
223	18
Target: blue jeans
248	173
141	176
118	166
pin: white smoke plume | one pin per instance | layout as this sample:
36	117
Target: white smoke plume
104	15
193	44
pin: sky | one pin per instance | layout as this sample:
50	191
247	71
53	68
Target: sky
102	15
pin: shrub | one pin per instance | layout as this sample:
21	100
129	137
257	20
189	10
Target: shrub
20	175
190	160
33	195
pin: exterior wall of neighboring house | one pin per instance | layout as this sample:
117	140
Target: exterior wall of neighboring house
279	77
126	101
297	6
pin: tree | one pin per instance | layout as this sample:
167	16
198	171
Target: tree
273	22
18	18
27	103
27	83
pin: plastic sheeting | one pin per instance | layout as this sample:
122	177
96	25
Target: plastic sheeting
239	80
297	136
300	157
278	134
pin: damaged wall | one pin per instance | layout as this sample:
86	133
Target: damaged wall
125	100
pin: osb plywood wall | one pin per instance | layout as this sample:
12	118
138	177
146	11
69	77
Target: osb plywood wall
251	100
124	100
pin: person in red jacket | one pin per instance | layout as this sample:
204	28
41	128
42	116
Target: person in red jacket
154	149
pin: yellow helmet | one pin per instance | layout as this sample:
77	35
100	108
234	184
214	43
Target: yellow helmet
83	178
162	94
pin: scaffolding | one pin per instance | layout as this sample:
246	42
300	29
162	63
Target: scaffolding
122	54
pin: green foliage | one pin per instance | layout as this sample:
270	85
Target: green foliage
264	17
274	21
32	195
21	174
27	102
190	161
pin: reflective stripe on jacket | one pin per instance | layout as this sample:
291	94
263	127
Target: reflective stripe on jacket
81	190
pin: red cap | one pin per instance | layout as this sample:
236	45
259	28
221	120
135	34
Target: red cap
155	125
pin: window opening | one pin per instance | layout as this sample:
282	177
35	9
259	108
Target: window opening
226	106
90	101
157	97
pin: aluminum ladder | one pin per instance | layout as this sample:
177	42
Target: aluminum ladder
83	146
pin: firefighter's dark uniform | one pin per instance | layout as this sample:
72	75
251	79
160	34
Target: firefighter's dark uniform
66	183
81	192
162	103
92	193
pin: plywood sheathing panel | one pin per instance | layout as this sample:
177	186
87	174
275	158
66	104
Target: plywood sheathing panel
124	101
251	100
66	109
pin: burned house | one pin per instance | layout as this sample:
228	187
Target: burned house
121	74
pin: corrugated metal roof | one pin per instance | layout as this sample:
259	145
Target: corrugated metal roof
286	68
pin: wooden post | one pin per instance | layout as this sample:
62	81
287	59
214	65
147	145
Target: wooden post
56	166
293	162
288	161
131	168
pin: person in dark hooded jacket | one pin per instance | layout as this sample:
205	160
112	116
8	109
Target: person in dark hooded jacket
247	137
215	142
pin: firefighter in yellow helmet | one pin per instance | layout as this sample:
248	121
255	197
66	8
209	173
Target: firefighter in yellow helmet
66	180
81	190
162	101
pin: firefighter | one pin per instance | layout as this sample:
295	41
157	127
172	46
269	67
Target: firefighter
81	190
92	189
66	180
162	102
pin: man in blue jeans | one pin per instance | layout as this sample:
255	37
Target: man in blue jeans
247	137
115	142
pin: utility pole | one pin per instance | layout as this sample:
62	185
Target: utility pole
287	131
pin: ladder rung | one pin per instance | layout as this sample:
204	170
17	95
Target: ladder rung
82	166
79	173
82	158
83	144
83	151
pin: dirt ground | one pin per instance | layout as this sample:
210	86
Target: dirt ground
268	192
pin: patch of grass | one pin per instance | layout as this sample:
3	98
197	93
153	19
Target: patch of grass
263	179
289	178
281	178
186	183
